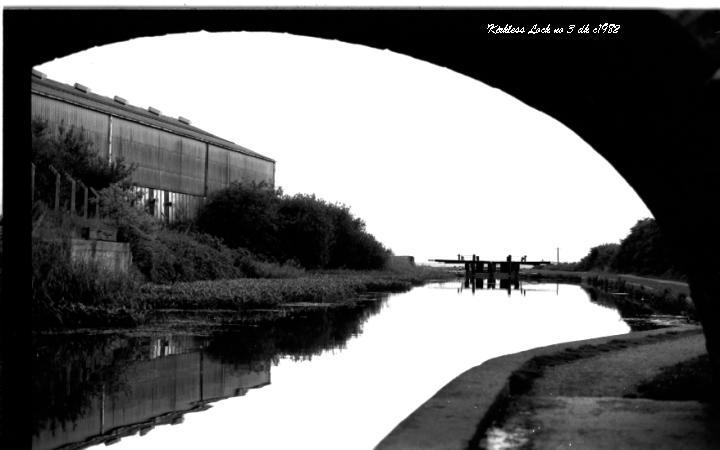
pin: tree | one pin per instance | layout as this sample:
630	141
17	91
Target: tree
644	252
354	247
69	151
243	215
301	228
600	257
306	230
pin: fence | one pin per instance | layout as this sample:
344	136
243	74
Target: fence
74	184
71	195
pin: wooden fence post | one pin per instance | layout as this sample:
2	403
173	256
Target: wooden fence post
57	187
85	202
72	193
97	202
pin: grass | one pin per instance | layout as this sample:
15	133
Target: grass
689	380
675	287
637	295
100	306
319	287
79	294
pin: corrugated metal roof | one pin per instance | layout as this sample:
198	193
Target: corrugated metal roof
67	93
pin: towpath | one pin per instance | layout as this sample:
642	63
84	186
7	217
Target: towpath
575	395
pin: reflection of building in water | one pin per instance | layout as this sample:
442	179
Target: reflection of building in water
173	345
159	391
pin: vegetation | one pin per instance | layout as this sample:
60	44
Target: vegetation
106	362
642	252
599	258
688	380
330	286
243	293
300	228
563	266
251	246
70	152
79	294
67	293
95	363
640	298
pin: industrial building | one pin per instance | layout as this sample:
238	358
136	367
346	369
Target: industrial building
178	164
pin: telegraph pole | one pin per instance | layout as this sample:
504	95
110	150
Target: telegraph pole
558	255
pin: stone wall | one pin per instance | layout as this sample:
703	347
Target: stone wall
113	256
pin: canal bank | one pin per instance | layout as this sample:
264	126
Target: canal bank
330	368
227	300
582	393
632	295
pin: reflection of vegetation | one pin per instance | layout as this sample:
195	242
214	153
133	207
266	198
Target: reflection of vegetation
69	371
633	300
301	334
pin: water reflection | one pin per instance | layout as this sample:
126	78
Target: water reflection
635	312
91	389
507	284
340	377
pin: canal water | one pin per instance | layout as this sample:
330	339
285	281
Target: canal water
323	379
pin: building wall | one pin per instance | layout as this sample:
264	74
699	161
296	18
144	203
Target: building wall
178	172
95	125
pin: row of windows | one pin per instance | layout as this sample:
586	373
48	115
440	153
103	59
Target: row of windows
167	205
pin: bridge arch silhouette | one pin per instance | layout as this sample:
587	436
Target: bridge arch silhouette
646	99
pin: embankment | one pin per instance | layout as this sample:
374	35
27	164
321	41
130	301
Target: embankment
235	296
633	295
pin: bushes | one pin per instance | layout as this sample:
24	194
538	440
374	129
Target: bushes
645	252
305	231
258	232
635	299
300	228
76	293
247	293
55	278
599	258
69	151
243	217
168	255
171	256
254	268
164	255
642	252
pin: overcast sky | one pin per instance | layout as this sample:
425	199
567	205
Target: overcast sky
436	163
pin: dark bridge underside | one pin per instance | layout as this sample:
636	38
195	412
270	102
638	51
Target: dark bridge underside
644	99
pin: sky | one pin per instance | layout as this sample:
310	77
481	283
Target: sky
436	163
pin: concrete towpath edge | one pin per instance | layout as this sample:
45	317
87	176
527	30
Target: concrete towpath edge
454	416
